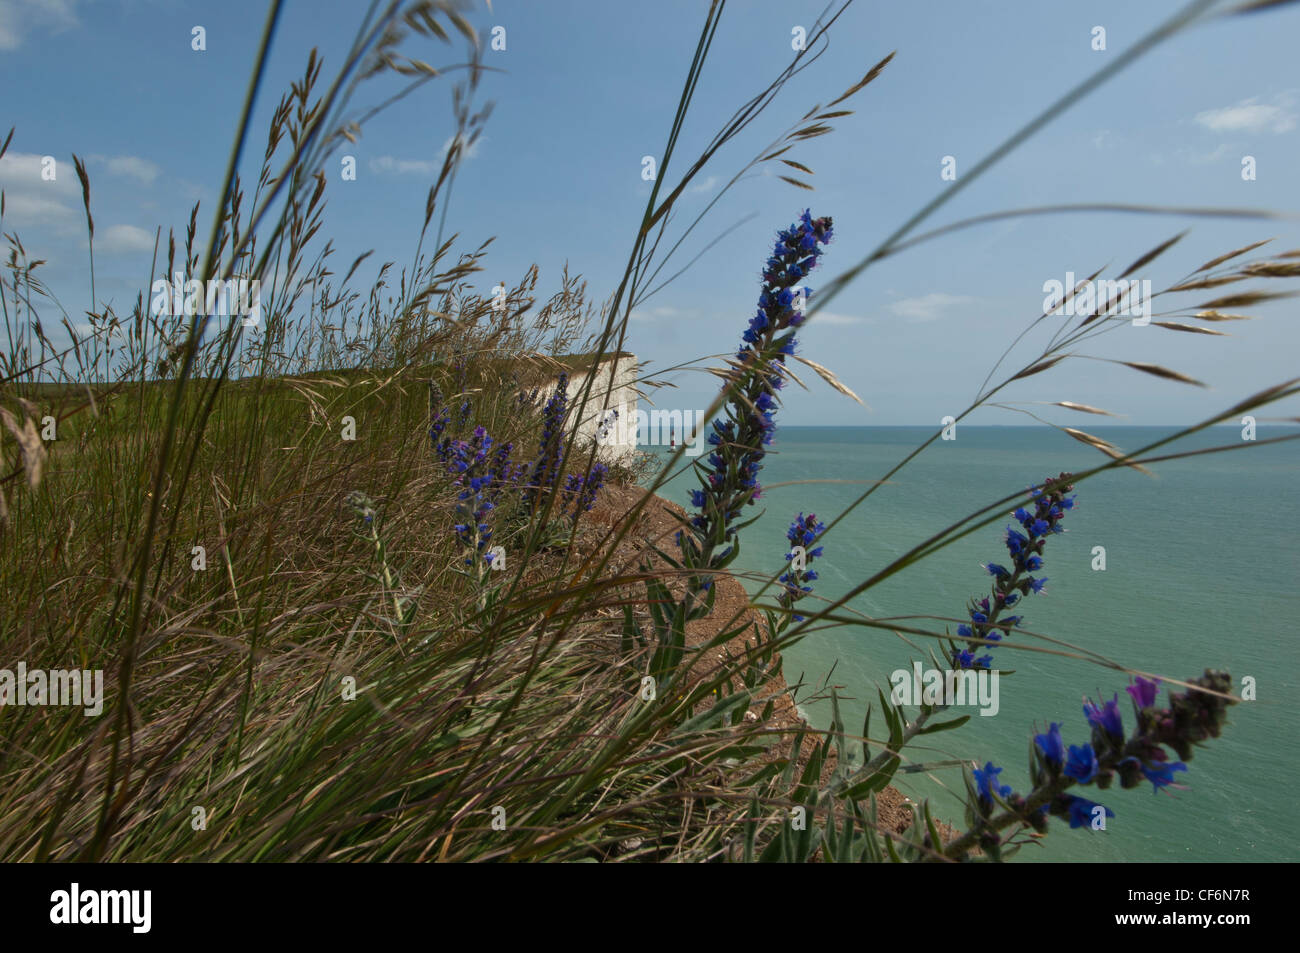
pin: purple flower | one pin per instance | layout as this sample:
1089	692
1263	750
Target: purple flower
1106	719
580	490
482	476
546	468
438	427
1144	691
1191	718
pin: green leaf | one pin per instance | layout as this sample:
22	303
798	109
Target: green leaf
892	850
866	733
895	721
935	840
837	730
776	850
724	637
658	599
944	725
765	773
721	562
796	747
831	841
871	840
812	772
848	840
751	830
631	633
876	782
714	717
930	766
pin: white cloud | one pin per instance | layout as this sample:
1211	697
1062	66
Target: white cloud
31	209
193	192
18	18
382	165
32	200
86	330
142	170
22	170
927	307
653	313
1203	158
122	239
831	317
1250	115
705	186
466	153
391	165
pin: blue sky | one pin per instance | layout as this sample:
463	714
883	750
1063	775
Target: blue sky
586	89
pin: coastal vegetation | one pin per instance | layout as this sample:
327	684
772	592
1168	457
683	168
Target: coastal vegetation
360	594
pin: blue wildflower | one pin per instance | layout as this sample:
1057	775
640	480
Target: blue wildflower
1081	764
1191	718
1011	583
546	468
729	476
986	783
803	532
580	490
1080	811
1105	719
1162	774
1051	745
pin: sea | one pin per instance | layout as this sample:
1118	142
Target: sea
1200	571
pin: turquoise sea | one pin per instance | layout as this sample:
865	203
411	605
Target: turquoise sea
1201	571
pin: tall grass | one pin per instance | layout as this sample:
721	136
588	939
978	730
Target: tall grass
247	528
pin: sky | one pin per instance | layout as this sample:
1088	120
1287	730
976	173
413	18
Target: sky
583	90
